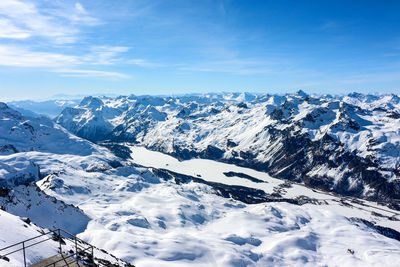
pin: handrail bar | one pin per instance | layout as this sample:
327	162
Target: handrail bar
57	236
26	247
51	231
74	236
80	245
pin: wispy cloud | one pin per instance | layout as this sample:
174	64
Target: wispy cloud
55	62
105	55
35	34
22	57
90	73
24	19
10	31
144	63
372	78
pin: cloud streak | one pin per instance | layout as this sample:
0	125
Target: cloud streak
12	56
105	55
34	36
20	57
91	73
20	20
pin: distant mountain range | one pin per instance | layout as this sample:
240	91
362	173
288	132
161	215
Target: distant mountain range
49	108
349	144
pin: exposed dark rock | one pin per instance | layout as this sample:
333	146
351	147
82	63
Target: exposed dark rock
241	193
184	153
4	191
8	149
212	152
394	115
243	175
230	143
277	114
242	105
26	220
117	149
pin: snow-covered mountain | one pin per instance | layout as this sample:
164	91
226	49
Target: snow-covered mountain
349	145
171	213
33	148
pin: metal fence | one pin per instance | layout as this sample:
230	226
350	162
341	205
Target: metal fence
79	250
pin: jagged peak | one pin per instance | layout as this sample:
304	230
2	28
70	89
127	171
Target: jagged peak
301	93
92	102
3	105
6	111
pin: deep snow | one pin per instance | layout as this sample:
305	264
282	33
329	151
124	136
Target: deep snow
150	221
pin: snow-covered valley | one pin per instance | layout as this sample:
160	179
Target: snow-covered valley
153	209
348	145
217	172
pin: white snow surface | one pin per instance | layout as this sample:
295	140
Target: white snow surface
213	171
14	230
151	222
39	134
26	142
148	221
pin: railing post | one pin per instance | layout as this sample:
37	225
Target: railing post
92	256
76	247
23	251
59	240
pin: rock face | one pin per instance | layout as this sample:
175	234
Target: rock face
349	145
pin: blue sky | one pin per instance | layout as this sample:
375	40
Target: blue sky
54	47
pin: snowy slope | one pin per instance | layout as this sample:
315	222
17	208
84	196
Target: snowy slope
155	222
349	145
19	133
33	148
14	230
275	189
150	217
46	211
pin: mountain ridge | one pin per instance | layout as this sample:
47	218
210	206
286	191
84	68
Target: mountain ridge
344	144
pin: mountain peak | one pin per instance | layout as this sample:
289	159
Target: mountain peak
91	102
301	93
3	105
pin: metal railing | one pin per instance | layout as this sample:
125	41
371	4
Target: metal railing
84	252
